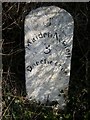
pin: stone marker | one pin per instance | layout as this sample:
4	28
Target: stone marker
48	50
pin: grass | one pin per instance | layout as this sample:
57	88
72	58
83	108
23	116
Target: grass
15	105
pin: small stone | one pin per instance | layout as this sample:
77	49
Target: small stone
61	118
9	97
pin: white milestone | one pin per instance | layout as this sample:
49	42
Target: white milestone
48	50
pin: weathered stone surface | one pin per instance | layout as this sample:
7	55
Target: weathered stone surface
48	50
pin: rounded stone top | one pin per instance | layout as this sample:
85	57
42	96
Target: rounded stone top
48	16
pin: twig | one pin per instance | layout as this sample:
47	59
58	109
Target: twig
9	25
8	43
9	73
10	8
18	7
12	53
7	108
